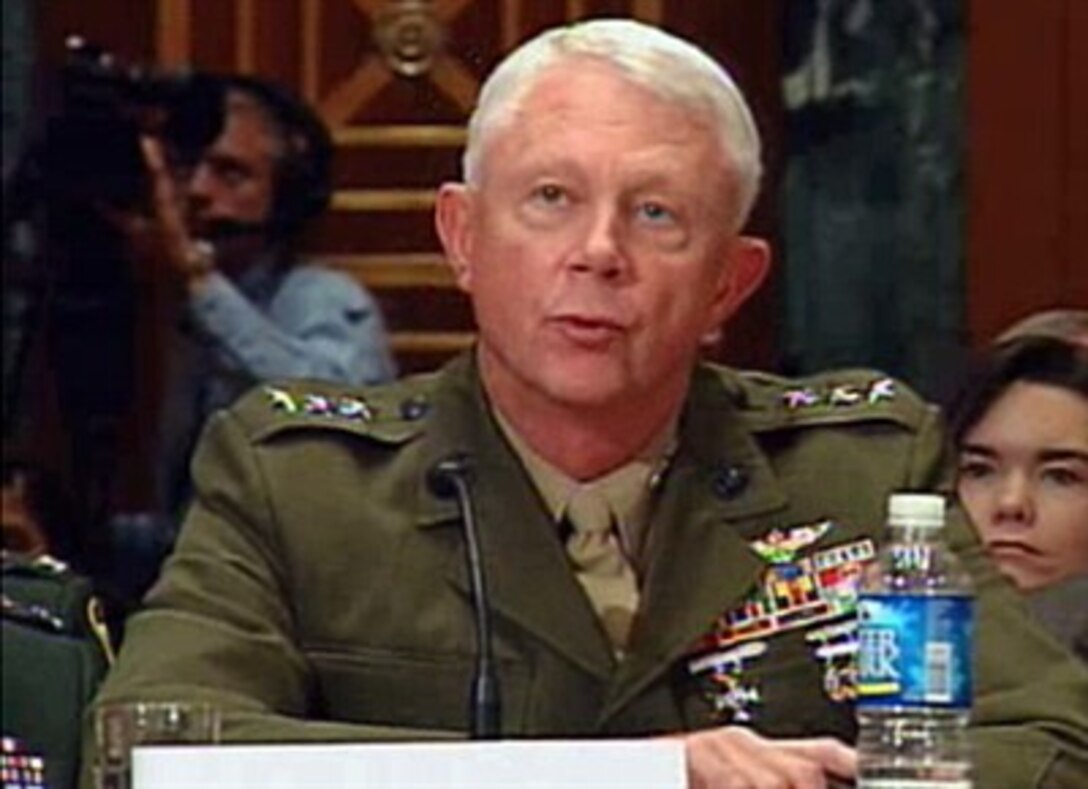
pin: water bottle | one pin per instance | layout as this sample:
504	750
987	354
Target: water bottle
915	623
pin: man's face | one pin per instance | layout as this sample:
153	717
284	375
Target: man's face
596	247
234	181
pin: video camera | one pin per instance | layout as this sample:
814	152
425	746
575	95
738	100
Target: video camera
66	274
89	151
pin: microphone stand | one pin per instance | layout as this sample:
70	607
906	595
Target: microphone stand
451	478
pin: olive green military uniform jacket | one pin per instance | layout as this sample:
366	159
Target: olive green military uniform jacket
319	589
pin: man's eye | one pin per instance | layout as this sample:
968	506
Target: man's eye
230	173
655	212
550	194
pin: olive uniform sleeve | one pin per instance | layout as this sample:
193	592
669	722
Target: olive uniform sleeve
218	625
1030	713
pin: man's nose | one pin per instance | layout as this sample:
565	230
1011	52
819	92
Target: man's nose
1015	502
198	187
601	251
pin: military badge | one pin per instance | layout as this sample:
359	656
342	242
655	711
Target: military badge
317	405
883	389
353	409
800	398
795	592
721	676
845	395
836	647
780	546
281	400
20	769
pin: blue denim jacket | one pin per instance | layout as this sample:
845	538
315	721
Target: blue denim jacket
302	321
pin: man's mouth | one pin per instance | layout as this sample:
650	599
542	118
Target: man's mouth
590	331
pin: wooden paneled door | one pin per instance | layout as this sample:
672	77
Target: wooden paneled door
1027	161
396	81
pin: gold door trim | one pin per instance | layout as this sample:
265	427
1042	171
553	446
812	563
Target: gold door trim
450	342
353	200
413	136
173	32
245	44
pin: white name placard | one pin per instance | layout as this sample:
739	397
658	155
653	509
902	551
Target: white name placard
631	764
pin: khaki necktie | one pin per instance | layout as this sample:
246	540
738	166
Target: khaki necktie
600	565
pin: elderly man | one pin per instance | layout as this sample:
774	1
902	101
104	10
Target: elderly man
640	515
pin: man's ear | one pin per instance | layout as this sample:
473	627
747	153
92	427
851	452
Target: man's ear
453	220
748	261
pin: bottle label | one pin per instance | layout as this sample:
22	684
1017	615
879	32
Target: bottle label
914	651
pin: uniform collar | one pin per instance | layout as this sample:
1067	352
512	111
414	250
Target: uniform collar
628	489
718	481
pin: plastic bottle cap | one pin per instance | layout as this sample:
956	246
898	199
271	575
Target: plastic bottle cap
921	510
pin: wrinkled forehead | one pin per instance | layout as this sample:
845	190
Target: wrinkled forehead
575	85
555	80
672	145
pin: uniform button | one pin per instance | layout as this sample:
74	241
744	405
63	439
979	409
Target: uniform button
730	481
414	408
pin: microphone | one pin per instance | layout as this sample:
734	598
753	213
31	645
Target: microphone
451	478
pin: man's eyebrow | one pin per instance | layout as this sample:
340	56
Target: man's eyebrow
978	449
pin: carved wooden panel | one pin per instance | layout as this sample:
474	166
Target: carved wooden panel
396	81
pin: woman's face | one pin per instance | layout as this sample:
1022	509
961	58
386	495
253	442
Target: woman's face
1023	478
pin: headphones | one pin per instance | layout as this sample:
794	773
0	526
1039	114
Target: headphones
303	176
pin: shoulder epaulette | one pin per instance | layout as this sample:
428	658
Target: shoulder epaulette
770	402
393	413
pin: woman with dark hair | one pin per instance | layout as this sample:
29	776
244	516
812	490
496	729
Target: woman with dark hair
1020	427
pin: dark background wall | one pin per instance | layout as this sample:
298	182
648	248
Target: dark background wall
873	195
1027	160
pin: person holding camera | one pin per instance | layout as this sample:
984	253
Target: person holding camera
224	231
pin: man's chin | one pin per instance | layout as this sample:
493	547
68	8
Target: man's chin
588	384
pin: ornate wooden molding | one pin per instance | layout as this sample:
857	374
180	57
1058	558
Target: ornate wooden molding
173	32
410	136
352	200
394	271
410	342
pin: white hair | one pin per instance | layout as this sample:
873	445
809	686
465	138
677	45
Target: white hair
669	67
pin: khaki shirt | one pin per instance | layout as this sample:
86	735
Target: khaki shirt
318	590
628	489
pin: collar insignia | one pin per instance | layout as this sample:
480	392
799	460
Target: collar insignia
838	396
351	409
